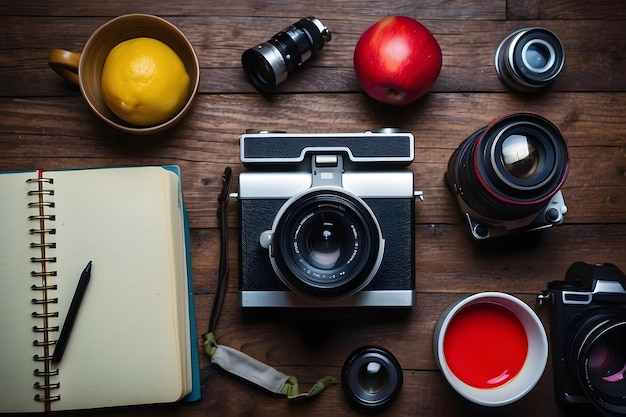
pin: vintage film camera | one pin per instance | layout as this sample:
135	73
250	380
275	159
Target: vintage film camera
588	332
327	220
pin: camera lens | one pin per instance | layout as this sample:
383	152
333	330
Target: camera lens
269	63
371	378
327	244
597	356
511	168
529	59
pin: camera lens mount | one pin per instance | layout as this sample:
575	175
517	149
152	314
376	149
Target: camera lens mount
371	378
597	357
529	59
326	244
269	63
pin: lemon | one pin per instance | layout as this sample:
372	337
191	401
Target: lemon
144	82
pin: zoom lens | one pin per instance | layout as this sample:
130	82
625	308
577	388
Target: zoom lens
269	63
597	356
529	59
327	244
508	171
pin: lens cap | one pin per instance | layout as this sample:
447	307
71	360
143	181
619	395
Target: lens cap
371	379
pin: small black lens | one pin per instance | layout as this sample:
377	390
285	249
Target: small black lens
327	244
529	59
269	63
371	378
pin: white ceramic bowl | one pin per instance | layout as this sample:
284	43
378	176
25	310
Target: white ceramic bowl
532	368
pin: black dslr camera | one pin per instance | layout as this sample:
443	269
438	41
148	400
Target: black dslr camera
588	332
326	220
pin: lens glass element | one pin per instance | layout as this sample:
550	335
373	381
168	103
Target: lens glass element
325	240
520	156
606	365
538	55
373	377
607	362
264	71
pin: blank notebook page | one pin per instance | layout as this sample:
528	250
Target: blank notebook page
130	341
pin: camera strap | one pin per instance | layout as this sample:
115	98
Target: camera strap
234	361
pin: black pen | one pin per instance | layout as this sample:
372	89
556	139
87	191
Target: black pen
71	313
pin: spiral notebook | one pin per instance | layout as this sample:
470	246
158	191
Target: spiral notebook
134	339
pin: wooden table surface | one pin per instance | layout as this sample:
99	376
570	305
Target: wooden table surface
45	123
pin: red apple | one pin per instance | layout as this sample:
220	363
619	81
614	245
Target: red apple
397	60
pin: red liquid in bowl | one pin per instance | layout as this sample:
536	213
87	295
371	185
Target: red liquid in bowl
485	345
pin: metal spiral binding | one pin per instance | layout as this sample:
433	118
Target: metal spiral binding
42	217
41	192
44	315
41	204
54	372
40	180
44	399
43	245
43	231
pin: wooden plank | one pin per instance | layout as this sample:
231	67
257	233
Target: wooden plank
522	9
463	9
565	10
592	64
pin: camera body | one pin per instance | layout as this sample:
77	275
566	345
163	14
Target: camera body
326	220
588	317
